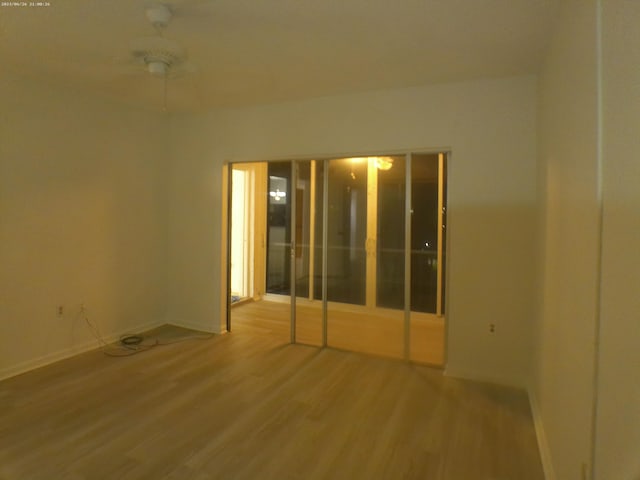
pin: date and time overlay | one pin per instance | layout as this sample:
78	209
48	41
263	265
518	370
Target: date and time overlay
8	4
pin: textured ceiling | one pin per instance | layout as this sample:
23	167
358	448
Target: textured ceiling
264	51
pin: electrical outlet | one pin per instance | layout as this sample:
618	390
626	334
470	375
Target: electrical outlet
60	310
492	328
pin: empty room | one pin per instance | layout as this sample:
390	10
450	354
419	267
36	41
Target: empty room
294	239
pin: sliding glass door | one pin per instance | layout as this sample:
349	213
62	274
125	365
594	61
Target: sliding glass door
365	258
355	252
308	252
427	257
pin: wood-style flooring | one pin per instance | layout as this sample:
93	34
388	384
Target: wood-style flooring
376	331
248	405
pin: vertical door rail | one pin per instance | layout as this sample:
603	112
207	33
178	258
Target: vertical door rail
441	228
407	258
292	243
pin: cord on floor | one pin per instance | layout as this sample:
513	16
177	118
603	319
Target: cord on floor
131	344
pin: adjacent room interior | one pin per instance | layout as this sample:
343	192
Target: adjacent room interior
418	220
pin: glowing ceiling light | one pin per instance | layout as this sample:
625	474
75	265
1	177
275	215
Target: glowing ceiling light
277	195
383	163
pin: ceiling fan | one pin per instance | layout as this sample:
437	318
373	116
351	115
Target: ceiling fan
161	57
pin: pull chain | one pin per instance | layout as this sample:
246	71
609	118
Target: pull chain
164	95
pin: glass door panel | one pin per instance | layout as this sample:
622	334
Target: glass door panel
424	233
258	231
428	177
279	228
354	320
308	253
347	231
390	232
274	310
318	229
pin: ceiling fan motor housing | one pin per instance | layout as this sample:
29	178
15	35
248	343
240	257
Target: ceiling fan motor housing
158	15
159	54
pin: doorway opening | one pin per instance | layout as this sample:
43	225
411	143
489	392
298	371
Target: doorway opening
246	239
350	252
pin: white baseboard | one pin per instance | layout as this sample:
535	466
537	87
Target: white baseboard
23	367
543	444
193	326
483	377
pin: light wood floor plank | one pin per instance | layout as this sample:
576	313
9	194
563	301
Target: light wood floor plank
376	331
248	405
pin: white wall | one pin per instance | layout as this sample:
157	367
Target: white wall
490	128
562	386
618	425
82	220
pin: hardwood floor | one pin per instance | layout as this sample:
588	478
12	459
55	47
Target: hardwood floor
376	331
248	405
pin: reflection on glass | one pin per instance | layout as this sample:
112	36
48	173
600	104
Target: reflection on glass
347	230
258	214
427	259
308	313
279	228
390	232
362	215
424	233
365	256
317	228
303	231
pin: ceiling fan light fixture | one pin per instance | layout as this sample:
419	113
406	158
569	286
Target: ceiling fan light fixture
157	68
384	163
